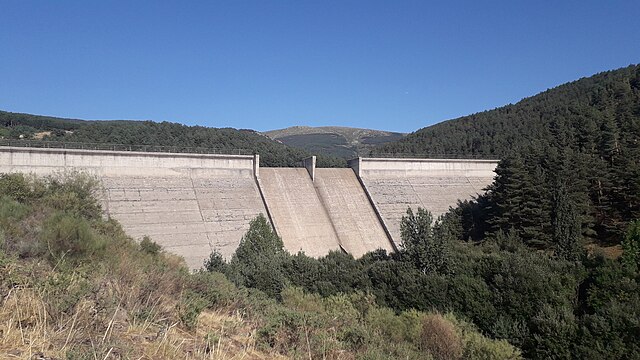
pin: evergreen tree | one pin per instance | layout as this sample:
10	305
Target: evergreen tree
567	234
631	246
259	259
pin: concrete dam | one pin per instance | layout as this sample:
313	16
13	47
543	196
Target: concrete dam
192	204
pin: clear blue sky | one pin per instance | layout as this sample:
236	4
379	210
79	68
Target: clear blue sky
394	65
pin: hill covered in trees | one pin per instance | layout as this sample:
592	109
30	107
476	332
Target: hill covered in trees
571	160
26	126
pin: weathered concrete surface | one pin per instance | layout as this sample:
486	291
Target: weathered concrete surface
433	184
354	219
188	203
297	213
192	203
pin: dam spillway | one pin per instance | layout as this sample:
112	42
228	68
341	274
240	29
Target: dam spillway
192	204
296	211
352	214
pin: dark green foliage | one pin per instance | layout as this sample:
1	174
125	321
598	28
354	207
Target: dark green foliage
43	123
421	244
173	136
149	246
610	306
259	259
215	263
567	234
631	246
583	134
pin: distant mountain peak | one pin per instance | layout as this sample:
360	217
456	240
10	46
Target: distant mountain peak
333	140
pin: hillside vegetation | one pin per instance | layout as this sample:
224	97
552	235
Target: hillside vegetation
225	140
339	141
74	285
575	147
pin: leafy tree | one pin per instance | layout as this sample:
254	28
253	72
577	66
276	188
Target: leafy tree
422	247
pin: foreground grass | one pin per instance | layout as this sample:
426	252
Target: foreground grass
74	285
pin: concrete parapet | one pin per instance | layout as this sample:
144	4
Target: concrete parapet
429	167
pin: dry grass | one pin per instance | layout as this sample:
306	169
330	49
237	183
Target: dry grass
609	252
26	330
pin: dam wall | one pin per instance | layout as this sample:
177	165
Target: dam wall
394	185
190	204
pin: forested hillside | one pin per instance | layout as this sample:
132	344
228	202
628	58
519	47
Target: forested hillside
13	125
571	160
572	115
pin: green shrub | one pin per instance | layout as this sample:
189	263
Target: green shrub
215	262
149	246
259	259
64	289
11	210
67	235
478	346
214	288
74	193
190	306
20	187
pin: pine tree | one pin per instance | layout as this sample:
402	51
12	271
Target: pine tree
631	246
259	259
567	232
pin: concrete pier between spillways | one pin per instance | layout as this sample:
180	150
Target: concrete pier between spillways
192	204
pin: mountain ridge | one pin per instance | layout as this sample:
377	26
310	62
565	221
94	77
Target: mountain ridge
334	140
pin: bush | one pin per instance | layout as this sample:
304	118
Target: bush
20	187
66	235
149	246
439	338
477	346
74	193
11	212
215	262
